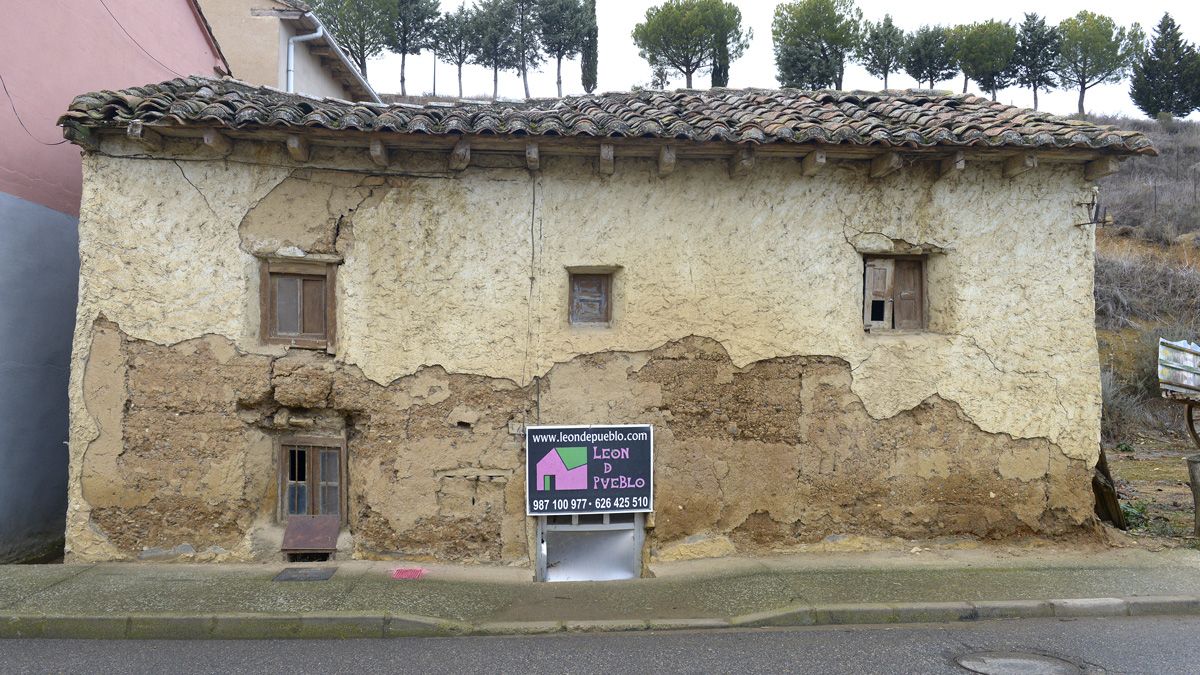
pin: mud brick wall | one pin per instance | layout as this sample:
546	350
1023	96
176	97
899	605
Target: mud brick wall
736	331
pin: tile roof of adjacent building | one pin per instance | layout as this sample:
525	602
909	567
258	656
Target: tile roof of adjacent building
911	119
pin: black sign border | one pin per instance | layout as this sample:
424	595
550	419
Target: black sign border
529	429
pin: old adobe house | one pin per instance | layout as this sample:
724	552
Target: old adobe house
842	313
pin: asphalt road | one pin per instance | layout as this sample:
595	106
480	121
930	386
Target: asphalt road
1156	645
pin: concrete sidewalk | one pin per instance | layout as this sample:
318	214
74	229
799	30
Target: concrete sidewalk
142	600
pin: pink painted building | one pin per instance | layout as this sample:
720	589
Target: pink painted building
51	50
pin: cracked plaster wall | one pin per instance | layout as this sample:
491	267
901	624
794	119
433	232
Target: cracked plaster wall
468	272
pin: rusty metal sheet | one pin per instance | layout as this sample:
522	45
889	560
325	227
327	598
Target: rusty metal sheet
311	534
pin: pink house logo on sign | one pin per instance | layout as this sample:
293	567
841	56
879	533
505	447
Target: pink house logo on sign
563	469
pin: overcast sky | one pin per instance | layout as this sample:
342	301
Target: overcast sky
621	68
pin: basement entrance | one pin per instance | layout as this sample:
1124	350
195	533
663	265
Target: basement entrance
590	547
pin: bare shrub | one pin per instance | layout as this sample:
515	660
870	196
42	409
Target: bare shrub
1158	196
1122	408
1139	290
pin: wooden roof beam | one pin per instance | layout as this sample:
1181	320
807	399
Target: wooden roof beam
742	162
666	160
298	148
887	163
379	153
460	156
812	163
952	164
147	137
218	142
1099	168
1016	165
607	165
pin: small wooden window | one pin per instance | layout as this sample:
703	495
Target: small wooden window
894	294
591	298
311	477
298	303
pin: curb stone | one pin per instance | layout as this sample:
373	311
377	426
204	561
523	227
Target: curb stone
375	625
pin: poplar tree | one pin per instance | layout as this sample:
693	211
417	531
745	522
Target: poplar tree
1036	53
494	41
986	54
1165	75
927	57
813	39
454	39
882	48
528	43
359	26
410	30
562	25
588	57
1094	50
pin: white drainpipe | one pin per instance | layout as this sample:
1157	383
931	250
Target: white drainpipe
291	54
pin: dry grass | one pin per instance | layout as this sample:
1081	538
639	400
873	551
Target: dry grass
1158	197
1138	290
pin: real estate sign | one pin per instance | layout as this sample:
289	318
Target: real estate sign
592	469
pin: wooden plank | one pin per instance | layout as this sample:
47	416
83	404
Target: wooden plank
1018	164
533	160
742	162
298	148
952	164
138	131
607	165
379	153
1099	168
909	295
666	160
460	156
812	163
886	164
218	141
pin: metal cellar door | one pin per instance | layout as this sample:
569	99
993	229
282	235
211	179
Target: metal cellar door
592	547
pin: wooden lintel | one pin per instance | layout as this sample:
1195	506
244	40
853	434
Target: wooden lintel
607	165
1018	164
379	153
297	146
952	163
742	161
1099	168
812	163
148	137
885	164
666	160
217	141
533	158
460	156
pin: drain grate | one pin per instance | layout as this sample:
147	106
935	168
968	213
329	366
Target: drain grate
306	574
1017	663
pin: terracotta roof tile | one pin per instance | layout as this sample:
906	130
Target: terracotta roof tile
906	119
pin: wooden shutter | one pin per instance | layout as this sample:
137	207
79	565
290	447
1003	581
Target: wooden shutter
590	298
909	296
877	292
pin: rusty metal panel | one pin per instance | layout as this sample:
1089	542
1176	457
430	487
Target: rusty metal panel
311	534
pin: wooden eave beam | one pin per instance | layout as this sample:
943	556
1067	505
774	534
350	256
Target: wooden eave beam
742	162
812	163
138	131
952	164
460	156
298	147
218	142
1016	165
666	160
885	164
607	163
379	153
1099	168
